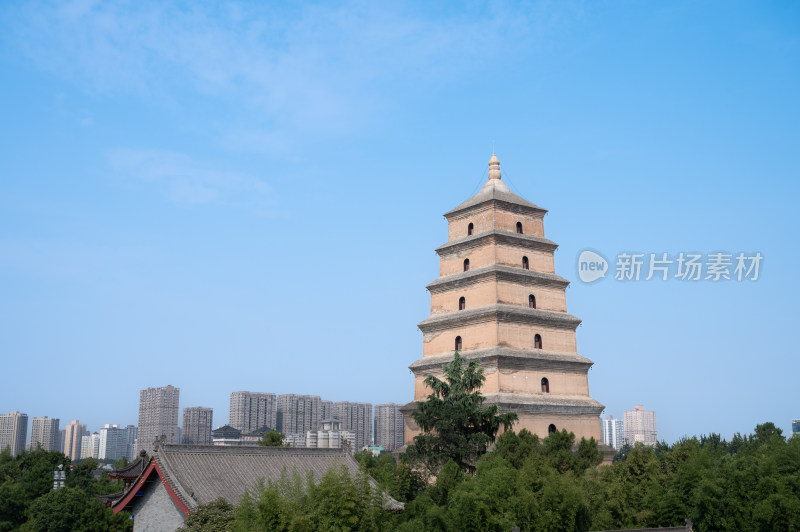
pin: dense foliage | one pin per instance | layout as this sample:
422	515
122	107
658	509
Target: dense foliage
456	426
748	483
272	438
28	502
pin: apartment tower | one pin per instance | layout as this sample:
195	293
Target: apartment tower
45	433
158	416
197	425
13	432
73	436
389	426
253	411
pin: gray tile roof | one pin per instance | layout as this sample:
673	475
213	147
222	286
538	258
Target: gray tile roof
200	474
496	190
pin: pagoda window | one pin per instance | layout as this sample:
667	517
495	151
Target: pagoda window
532	301
458	343
470	229
466	265
462	303
545	385
537	341
551	429
519	227
525	263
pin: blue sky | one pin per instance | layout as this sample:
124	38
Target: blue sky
247	197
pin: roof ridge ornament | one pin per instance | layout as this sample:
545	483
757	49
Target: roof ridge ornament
494	168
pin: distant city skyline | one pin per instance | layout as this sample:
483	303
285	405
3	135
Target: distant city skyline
247	198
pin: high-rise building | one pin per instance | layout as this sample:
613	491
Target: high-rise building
613	432
795	428
253	411
498	301
298	414
13	432
356	418
640	426
389	426
90	446
45	433
197	424
158	416
72	439
116	442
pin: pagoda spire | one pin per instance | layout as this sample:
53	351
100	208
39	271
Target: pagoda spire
494	168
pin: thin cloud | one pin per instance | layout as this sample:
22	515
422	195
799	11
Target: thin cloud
184	180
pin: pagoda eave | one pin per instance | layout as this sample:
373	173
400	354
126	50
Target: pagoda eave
497	272
508	358
499	313
499	237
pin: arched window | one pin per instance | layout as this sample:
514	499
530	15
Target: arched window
537	341
519	227
551	429
458	343
470	229
466	265
525	264
532	301
462	303
545	385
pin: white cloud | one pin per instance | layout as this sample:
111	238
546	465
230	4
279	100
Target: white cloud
185	180
309	69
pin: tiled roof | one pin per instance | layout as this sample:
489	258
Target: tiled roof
200	474
495	190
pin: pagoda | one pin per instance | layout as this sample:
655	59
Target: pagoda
498	301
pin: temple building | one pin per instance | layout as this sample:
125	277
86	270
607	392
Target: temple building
499	301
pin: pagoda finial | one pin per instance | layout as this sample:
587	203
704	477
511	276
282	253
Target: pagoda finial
494	168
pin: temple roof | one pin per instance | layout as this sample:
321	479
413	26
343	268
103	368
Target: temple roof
200	474
495	190
132	470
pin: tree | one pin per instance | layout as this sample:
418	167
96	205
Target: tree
272	438
454	421
217	515
73	510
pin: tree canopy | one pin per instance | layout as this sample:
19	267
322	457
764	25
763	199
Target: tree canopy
272	438
456	425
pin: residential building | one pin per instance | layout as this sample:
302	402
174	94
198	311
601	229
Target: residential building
197	423
389	426
795	428
252	411
90	446
298	413
640	426
115	442
72	439
158	416
613	432
499	302
356	418
45	433
13	432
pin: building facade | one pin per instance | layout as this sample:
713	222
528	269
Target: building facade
356	418
498	301
613	432
297	414
13	432
640	426
90	446
72	439
45	433
253	411
158	416
116	442
389	426
330	435
197	423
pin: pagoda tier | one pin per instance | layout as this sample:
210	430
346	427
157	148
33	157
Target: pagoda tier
499	301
